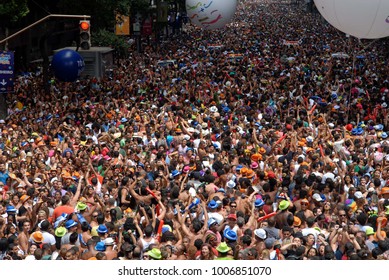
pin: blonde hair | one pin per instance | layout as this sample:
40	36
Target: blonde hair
265	255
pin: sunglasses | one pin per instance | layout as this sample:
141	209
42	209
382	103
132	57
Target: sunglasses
342	215
233	206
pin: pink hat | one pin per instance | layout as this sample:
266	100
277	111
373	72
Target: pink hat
186	169
51	153
254	165
107	158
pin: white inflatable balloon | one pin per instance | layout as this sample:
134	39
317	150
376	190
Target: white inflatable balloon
211	14
363	19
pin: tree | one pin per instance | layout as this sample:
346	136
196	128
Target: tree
104	38
12	11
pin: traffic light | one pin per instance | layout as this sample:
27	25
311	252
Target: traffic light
85	42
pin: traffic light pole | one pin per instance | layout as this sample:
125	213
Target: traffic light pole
41	20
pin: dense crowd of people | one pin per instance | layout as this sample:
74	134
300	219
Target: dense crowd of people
266	140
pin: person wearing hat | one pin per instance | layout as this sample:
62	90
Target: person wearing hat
304	203
154	254
282	216
370	242
110	248
71	226
102	231
100	247
212	211
223	252
213	228
60	231
24	210
384	193
36	238
230	223
230	237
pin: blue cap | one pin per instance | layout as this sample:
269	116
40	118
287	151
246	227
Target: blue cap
100	246
212	204
175	173
259	202
70	223
102	229
211	222
10	209
230	234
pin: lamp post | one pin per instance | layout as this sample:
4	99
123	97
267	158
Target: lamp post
136	27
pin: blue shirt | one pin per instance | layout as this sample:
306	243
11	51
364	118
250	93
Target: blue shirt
3	177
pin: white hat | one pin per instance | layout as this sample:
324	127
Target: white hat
213	109
53	180
205	132
2	121
231	184
37	180
309	139
109	241
358	195
317	197
261	233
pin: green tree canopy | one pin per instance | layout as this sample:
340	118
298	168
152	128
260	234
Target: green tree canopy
12	10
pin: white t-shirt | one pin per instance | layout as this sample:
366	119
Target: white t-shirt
48	238
338	145
326	176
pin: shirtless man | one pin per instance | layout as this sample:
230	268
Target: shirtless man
110	250
194	231
24	236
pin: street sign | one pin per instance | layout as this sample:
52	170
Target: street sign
6	72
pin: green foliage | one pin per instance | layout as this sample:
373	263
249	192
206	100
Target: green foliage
104	38
13	10
140	6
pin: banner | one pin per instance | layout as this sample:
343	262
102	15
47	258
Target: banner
122	26
6	71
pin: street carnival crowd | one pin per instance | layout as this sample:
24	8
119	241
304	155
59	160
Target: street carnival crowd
268	140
